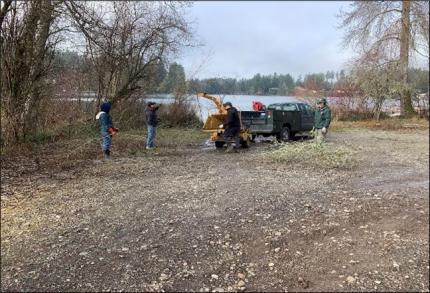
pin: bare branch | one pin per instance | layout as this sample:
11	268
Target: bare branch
4	10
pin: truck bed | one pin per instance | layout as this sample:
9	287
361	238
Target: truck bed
257	121
272	121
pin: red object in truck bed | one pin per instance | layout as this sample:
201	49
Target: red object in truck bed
258	106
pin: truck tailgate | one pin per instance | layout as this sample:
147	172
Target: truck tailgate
257	121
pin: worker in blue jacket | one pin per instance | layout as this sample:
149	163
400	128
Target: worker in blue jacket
106	128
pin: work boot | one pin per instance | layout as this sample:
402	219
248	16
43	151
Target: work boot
106	154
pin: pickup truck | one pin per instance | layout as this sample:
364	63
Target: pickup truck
283	120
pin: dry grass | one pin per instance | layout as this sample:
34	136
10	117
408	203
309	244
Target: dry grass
68	154
133	142
311	154
383	124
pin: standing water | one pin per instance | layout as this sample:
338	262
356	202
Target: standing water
205	107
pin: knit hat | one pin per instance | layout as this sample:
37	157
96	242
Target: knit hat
105	107
322	101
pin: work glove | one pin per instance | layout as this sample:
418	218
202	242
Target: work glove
221	126
112	131
324	130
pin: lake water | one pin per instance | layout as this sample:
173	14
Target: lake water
204	107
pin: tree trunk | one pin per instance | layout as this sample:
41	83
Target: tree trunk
378	109
406	108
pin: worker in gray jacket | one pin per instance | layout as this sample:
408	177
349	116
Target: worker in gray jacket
151	123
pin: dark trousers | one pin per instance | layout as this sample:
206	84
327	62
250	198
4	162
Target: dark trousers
231	134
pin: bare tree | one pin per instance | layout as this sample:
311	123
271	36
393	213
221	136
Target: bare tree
29	34
5	4
127	40
387	32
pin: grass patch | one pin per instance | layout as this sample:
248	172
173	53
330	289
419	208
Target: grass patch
39	137
133	142
383	124
85	143
181	136
165	137
311	154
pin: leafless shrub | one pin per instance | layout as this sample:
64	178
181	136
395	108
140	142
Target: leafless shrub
179	114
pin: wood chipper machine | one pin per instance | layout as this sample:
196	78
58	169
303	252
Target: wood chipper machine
213	122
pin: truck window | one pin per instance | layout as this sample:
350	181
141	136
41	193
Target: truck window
289	107
305	108
302	108
308	108
275	108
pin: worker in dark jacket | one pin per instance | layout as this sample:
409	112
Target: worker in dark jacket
322	120
106	128
151	123
231	127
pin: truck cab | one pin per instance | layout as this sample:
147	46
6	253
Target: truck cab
284	120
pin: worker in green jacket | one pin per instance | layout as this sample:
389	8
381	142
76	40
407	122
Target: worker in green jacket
322	120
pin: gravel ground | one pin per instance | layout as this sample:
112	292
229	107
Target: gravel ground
191	218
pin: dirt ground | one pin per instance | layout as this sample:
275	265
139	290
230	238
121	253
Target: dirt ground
191	218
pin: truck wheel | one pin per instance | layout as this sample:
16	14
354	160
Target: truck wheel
244	143
219	144
285	135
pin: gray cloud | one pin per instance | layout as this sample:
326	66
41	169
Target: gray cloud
245	38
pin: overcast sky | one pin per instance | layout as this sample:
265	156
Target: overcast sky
244	38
